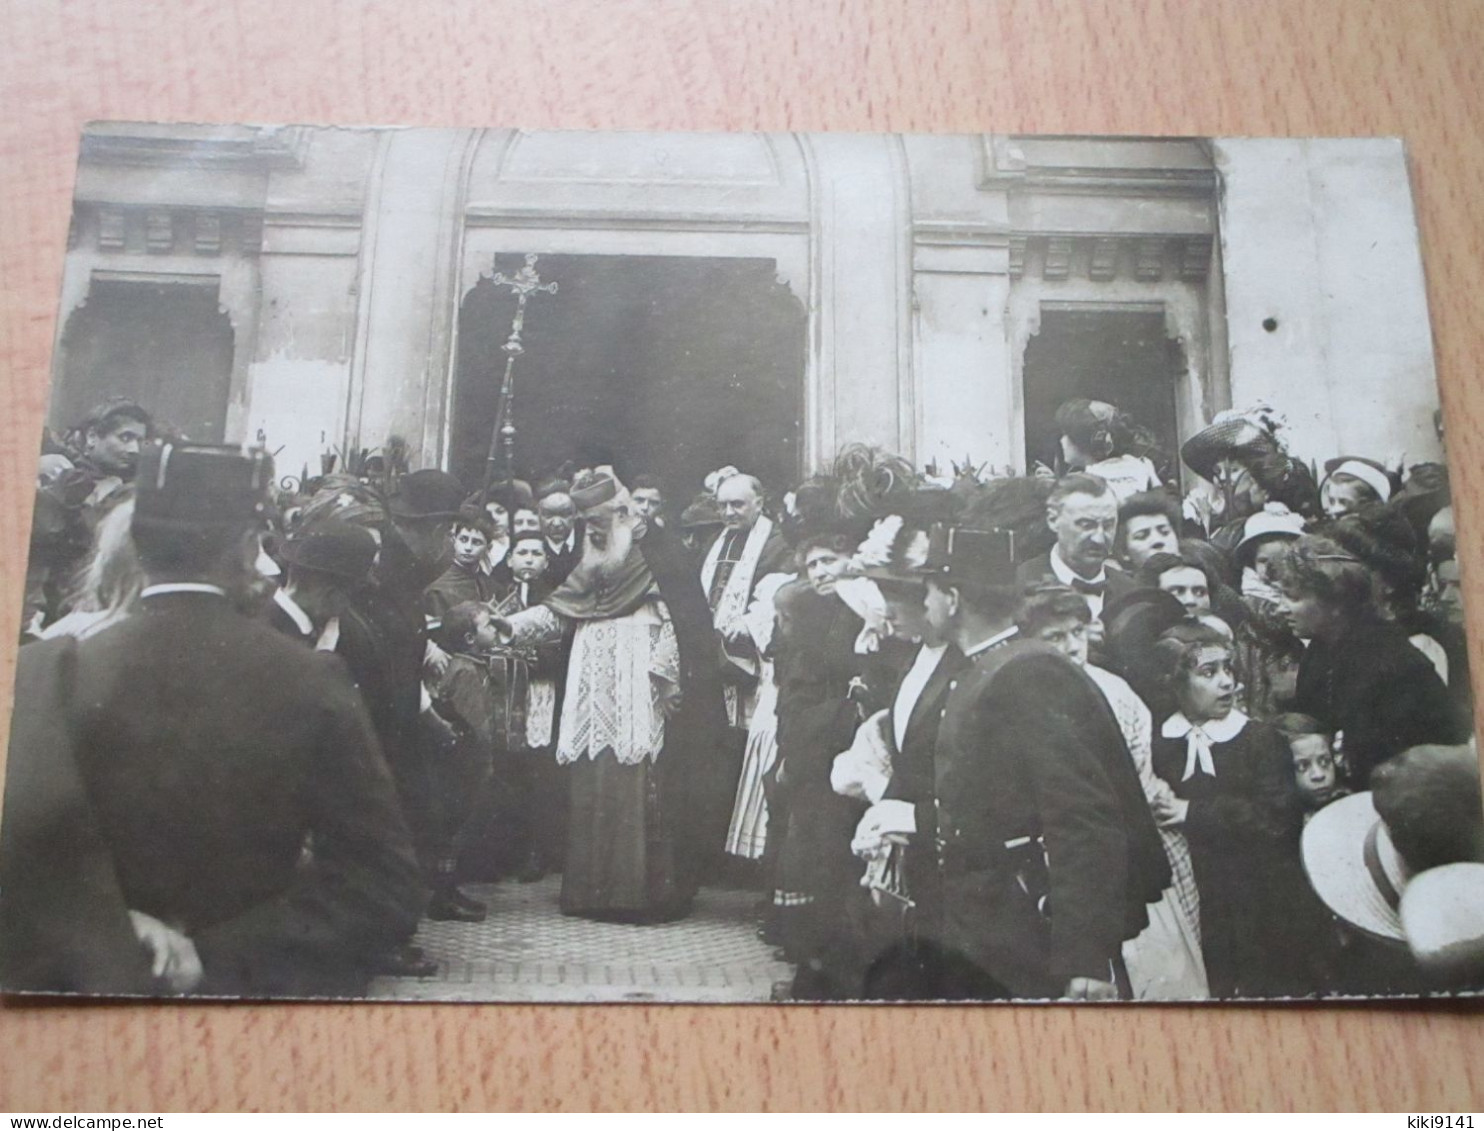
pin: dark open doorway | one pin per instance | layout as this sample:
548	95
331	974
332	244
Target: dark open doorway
167	346
1121	356
662	365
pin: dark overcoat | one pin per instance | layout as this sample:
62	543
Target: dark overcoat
696	732
64	925
240	787
1378	689
1046	849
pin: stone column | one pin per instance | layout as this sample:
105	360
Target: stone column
965	384
862	329
407	312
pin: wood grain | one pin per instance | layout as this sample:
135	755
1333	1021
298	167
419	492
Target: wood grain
1327	67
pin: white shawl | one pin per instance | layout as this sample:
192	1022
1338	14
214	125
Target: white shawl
732	605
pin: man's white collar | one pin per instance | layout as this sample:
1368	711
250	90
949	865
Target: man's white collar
1066	574
182	587
997	638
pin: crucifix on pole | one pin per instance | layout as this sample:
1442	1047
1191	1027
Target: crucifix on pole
524	283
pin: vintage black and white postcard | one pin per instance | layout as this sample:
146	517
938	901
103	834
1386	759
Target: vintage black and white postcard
493	565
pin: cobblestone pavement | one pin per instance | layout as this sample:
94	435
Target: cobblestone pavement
527	950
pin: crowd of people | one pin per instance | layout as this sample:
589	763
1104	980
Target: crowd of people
1070	734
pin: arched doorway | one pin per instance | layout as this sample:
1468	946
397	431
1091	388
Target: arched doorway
166	345
666	365
1122	356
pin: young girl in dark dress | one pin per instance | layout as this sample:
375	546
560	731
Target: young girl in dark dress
1238	806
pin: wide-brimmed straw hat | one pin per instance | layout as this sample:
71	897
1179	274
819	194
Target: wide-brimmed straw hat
1238	437
1355	868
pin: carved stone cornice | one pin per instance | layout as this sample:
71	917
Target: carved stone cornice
483	215
1105	258
257	148
135	230
1101	166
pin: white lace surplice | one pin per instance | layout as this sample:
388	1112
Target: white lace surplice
611	702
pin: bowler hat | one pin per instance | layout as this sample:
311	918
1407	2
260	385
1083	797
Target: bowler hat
428	493
336	548
194	487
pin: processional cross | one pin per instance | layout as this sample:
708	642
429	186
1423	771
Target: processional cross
524	283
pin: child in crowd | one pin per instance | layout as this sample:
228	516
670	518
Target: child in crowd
1235	800
1352	483
1318	770
524	520
463	695
528	771
467	578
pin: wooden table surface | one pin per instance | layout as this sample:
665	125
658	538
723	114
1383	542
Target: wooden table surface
1285	67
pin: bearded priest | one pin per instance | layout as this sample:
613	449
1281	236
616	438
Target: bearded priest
643	707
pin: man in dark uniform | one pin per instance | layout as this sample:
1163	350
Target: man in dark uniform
1047	854
234	775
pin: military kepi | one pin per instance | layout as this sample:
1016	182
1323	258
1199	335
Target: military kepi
962	553
186	487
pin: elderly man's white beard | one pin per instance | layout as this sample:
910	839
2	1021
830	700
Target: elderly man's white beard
609	542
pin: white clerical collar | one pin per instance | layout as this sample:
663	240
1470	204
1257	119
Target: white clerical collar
296	614
182	587
1067	575
986	645
1217	730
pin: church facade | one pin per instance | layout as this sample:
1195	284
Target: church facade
739	298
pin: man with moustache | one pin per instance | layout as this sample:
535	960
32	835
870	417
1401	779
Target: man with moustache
1082	511
641	708
558	514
